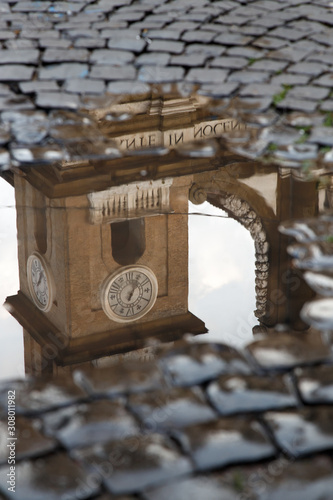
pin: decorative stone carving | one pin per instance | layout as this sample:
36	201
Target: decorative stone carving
130	201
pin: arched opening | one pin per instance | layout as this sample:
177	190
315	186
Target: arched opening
128	241
222	279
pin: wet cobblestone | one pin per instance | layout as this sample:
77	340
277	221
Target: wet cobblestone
149	429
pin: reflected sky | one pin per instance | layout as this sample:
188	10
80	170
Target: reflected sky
11	335
221	279
221	275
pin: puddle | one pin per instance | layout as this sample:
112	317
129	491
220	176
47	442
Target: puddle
144	218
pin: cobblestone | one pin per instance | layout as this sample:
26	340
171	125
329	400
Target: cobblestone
271	62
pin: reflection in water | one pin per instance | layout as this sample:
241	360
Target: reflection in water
221	276
109	226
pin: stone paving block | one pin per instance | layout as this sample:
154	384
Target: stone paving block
248	76
54	43
230	19
209	50
171	409
233	39
84	86
269	42
289	54
303	432
127	42
194	488
164	34
224	442
290	79
63	71
31	6
18	44
286	33
52	477
121	379
37	86
229	62
210	75
269	65
60	55
249	52
327	105
38	33
89	43
192	364
153	58
173	47
128	87
287	350
315	384
325	80
16	72
322	135
309	92
308	68
249	30
89	424
135	463
323	57
263	89
250	393
26	56
37	396
113	72
203	36
29	441
218	90
113	57
6	35
193	60
325	39
160	74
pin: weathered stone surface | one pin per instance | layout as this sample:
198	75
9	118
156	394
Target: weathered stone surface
86	425
207	75
37	396
191	364
63	71
105	56
173	409
160	74
136	462
110	72
303	432
122	379
250	393
62	100
16	72
225	441
41	478
286	350
28	439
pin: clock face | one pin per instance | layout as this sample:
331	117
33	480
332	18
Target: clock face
39	282
129	294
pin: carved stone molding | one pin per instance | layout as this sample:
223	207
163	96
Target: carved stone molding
130	201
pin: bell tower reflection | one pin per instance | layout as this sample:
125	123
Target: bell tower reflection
111	273
103	245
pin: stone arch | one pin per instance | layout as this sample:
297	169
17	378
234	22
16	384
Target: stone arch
242	211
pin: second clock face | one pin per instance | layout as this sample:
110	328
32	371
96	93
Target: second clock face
39	282
129	294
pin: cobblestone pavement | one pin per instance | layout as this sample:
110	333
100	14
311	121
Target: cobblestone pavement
198	421
53	52
272	54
